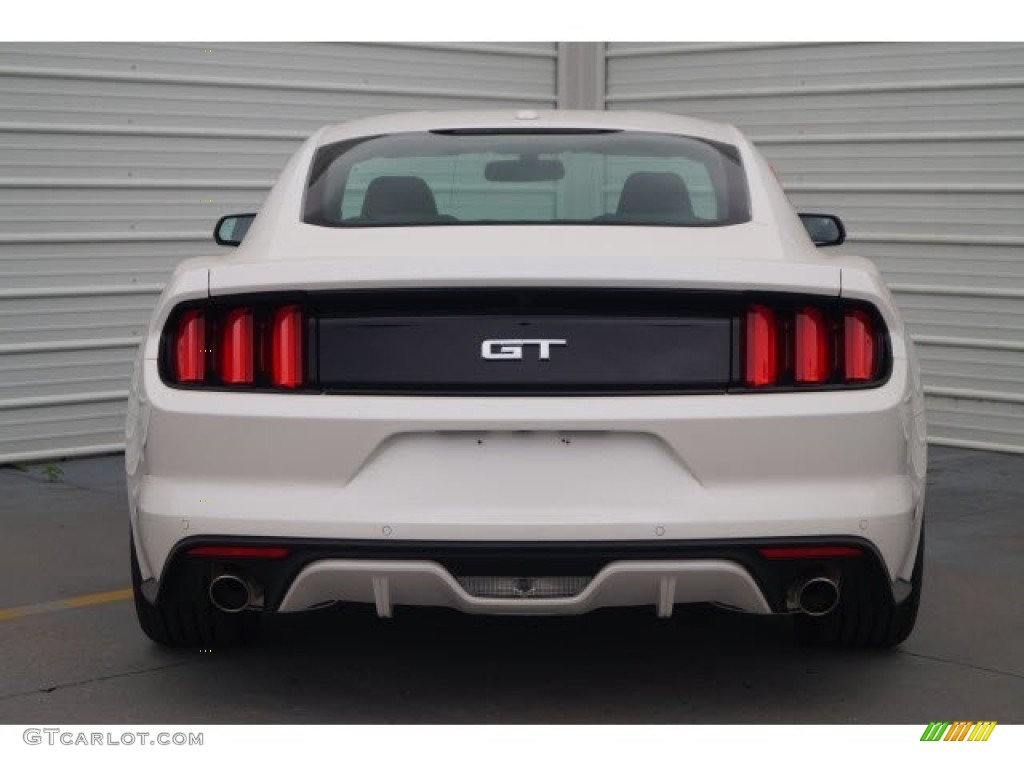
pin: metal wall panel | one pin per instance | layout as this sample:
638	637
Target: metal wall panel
920	148
116	159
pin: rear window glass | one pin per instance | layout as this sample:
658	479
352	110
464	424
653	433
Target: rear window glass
491	177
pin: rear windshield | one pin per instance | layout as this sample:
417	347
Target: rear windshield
448	178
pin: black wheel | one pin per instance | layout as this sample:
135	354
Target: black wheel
189	622
862	620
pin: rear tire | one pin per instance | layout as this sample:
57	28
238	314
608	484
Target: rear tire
863	619
189	622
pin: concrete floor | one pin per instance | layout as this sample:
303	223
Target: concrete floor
92	664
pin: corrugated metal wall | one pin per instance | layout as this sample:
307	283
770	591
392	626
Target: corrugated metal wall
116	159
920	148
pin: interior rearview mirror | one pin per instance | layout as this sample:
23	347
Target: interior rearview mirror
232	228
824	228
526	168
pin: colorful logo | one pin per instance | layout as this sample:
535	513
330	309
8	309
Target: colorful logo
961	730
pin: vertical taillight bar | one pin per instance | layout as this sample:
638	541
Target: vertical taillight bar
190	347
859	357
762	347
286	347
812	356
236	347
810	345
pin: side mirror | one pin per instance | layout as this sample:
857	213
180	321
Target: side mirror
824	228
231	229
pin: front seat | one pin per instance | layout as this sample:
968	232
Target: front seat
654	195
399	198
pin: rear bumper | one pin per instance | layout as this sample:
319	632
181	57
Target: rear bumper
648	469
740	574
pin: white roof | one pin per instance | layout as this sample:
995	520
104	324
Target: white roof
529	119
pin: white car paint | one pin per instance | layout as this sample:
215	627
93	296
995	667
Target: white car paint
638	468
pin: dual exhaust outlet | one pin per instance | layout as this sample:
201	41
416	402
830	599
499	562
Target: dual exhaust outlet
814	596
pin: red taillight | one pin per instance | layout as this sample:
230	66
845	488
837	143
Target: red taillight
286	347
812	355
808	553
190	347
261	553
260	346
762	347
236	358
859	357
813	345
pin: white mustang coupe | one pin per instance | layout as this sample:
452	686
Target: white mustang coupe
527	363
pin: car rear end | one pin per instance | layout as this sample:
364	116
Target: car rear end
529	420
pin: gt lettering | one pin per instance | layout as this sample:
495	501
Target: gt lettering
512	349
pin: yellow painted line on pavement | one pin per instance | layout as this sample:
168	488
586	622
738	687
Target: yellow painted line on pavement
82	601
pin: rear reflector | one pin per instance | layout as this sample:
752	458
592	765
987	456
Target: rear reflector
190	347
286	348
812	365
236	348
808	553
262	553
859	357
762	341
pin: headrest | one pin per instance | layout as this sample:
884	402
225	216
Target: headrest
399	197
648	193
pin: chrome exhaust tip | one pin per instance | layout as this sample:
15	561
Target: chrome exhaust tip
817	596
231	593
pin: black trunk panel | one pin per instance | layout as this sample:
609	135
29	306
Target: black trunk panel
584	353
616	341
